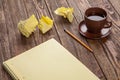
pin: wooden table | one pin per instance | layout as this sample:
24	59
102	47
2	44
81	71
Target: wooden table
104	62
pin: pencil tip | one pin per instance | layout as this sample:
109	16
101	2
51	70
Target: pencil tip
64	29
92	51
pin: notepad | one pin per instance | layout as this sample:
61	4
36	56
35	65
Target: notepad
48	61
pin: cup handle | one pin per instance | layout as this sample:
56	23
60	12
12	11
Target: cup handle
108	24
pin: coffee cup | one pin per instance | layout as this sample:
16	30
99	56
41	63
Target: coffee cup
96	20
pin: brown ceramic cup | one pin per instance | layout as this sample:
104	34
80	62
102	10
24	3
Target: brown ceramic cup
96	20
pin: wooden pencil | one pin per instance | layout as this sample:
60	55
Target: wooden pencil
82	43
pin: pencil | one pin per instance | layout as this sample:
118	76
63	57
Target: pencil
82	43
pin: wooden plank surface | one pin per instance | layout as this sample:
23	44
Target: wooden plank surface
104	61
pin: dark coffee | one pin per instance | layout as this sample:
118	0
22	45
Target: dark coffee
96	17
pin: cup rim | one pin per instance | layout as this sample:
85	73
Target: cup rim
85	15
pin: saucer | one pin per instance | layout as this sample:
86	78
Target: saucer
84	32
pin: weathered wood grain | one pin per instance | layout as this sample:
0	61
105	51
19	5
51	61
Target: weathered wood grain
104	62
107	72
85	58
113	43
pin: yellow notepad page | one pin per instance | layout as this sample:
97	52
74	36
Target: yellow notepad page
47	61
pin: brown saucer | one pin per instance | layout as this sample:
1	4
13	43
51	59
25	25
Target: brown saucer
83	31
